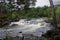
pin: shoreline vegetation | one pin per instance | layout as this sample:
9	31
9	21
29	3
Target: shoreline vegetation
16	15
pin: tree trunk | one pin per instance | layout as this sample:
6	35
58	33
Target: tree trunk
53	13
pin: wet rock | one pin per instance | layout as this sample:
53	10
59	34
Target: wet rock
20	32
14	25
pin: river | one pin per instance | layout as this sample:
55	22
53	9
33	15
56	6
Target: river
35	26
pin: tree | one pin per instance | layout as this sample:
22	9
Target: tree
9	14
26	3
4	7
53	14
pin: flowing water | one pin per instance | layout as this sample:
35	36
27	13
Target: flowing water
35	26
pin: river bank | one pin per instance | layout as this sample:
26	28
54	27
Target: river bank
4	22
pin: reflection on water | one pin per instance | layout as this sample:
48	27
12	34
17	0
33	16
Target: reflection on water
35	26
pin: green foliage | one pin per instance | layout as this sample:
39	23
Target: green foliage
33	13
7	38
36	12
50	33
14	15
41	12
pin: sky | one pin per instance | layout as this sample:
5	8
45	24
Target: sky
46	2
42	3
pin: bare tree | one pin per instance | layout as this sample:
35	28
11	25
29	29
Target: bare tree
53	13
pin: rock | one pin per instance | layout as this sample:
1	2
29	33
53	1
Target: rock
20	32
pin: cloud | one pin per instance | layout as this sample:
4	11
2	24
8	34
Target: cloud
42	3
56	2
46	2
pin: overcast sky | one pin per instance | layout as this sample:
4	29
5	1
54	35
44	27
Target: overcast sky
46	2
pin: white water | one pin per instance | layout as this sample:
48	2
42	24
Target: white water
34	26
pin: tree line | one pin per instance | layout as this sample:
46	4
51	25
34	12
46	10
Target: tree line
11	12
